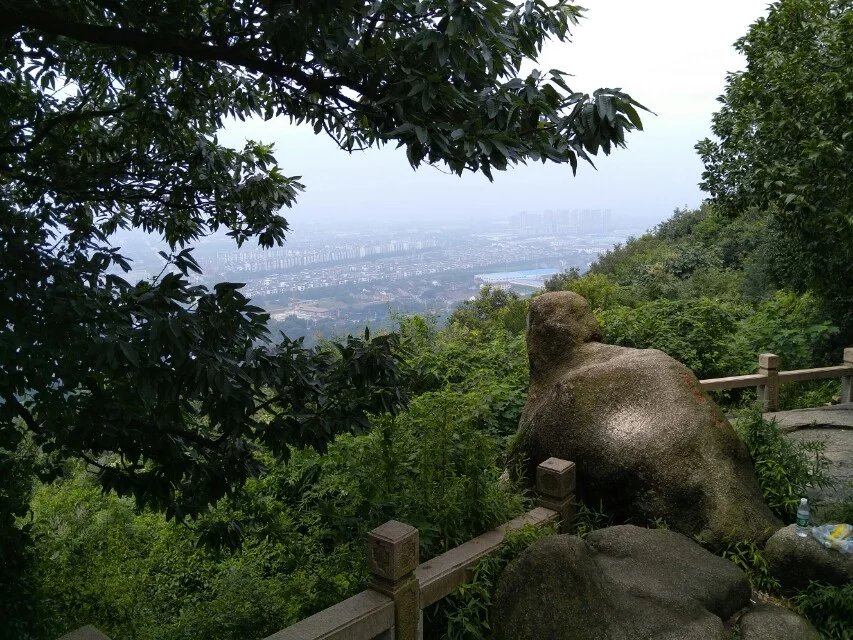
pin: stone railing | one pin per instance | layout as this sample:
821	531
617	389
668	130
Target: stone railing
400	587
769	378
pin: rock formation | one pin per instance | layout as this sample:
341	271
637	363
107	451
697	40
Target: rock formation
648	444
796	561
631	583
772	622
622	583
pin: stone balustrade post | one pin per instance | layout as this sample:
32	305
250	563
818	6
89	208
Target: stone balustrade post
768	393
847	381
555	483
392	557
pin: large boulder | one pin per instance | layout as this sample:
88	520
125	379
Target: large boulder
772	622
648	443
796	561
624	583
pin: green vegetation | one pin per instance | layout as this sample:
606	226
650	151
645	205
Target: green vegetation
171	473
589	518
303	525
749	558
467	610
701	288
786	469
174	393
784	143
830	609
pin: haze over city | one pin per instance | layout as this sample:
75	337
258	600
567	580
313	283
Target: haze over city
371	238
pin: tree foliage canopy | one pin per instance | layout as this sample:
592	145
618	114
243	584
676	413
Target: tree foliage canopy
785	138
110	112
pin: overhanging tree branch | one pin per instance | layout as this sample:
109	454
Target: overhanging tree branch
147	42
24	414
74	174
73	116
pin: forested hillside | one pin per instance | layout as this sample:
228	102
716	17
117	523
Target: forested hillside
712	291
171	470
297	533
696	287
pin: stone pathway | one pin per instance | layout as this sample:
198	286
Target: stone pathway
838	416
834	426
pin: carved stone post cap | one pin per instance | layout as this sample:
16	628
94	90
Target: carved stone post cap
848	355
392	550
768	361
555	477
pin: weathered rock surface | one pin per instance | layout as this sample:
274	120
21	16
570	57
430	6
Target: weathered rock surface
772	622
622	583
795	561
85	633
647	442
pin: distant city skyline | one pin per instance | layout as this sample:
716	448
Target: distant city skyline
672	56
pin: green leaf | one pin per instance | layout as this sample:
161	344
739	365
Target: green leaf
129	353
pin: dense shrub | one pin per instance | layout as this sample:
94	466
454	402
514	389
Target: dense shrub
696	332
786	469
16	483
598	289
465	614
492	308
486	363
830	609
792	326
303	527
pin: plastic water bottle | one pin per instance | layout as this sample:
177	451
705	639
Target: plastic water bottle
803	518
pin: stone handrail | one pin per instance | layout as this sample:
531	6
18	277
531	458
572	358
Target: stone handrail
399	587
769	378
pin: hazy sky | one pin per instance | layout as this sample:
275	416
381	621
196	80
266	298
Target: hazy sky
671	55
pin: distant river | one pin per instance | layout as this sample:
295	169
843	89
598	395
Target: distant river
533	274
529	277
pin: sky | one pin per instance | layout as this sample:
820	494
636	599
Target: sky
670	55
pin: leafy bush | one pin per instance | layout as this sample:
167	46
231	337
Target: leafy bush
464	614
828	608
588	519
695	332
624	262
716	283
599	290
493	306
138	576
785	469
813	393
692	259
791	326
303	527
17	473
489	364
749	558
461	356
